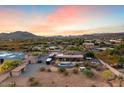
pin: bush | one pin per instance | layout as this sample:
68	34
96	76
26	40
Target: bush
34	83
88	72
121	61
61	70
13	84
75	71
9	64
107	74
77	65
31	79
66	73
90	54
42	69
49	70
93	85
87	64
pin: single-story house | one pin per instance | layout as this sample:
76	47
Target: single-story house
54	49
88	45
115	41
74	58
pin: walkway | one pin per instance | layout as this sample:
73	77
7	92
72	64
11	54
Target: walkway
116	72
4	76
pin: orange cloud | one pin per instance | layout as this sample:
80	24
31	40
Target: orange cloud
75	32
42	30
10	17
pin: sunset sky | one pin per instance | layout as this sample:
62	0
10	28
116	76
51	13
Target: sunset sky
62	20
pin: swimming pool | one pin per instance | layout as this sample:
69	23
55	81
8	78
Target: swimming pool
12	55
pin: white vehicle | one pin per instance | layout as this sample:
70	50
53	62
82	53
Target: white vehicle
82	68
48	61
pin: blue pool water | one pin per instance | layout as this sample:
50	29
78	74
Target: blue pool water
12	55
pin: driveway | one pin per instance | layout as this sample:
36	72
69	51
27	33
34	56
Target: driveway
34	68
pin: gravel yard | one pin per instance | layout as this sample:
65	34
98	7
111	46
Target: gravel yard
56	79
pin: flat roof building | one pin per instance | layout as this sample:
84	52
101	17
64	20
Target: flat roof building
69	58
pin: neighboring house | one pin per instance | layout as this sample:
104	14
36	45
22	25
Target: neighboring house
54	49
115	41
88	45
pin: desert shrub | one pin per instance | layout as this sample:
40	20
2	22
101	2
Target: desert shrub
66	85
42	69
49	70
13	84
31	79
53	82
34	83
107	74
61	70
88	72
93	85
66	73
75	71
89	68
121	61
87	64
77	65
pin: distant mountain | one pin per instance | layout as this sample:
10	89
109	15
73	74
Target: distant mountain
17	35
28	35
104	36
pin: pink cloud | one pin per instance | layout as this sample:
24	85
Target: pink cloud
67	15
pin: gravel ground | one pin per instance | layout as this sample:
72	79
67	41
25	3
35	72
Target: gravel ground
56	79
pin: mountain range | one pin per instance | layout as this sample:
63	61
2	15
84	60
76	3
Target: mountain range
17	35
28	35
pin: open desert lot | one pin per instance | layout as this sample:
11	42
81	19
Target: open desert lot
57	79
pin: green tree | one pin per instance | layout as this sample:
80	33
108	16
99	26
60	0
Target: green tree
89	54
121	61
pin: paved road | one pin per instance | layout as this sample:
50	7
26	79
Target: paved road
116	72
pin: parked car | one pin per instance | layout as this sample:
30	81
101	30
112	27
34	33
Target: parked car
39	61
48	61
